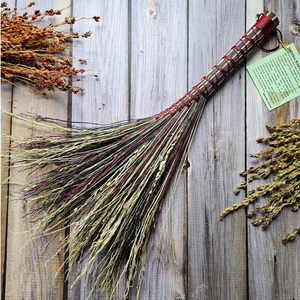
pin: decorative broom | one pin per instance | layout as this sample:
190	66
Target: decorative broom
107	184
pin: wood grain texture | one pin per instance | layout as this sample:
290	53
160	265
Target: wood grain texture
158	79
27	274
273	267
6	99
105	98
147	54
6	103
216	250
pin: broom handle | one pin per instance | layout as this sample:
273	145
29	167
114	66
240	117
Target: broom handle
267	22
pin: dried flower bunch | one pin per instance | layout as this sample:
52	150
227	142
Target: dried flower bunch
33	54
283	159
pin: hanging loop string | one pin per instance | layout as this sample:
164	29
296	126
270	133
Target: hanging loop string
279	38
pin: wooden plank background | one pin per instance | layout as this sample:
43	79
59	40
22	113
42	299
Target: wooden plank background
147	54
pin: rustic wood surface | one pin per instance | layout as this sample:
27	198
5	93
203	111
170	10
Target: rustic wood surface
217	265
6	103
147	54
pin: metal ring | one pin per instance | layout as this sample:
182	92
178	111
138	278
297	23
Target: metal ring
277	30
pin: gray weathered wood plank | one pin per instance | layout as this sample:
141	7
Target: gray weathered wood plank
158	79
26	266
216	250
147	54
6	103
6	99
273	267
105	98
27	276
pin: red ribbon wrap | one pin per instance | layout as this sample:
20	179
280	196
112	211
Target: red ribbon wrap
265	24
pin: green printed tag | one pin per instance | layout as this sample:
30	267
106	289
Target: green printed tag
277	76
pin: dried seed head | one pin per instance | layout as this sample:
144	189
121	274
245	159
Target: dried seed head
283	159
46	69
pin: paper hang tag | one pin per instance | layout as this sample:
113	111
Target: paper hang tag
277	76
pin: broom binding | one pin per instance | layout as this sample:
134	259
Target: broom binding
110	182
226	65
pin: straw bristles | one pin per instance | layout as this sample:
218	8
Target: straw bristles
107	186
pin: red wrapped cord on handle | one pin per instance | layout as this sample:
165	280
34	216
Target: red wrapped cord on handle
266	24
199	93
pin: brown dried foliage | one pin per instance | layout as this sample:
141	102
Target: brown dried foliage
32	54
282	160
